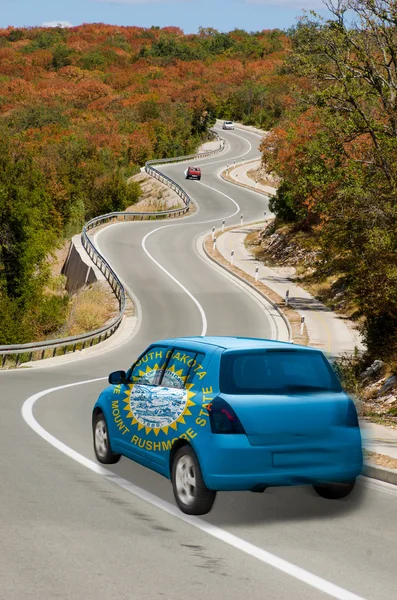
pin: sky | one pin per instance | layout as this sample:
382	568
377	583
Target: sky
189	15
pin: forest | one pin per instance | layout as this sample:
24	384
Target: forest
82	109
335	149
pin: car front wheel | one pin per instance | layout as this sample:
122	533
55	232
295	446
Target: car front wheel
102	447
335	491
190	491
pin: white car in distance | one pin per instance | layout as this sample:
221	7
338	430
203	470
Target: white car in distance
228	125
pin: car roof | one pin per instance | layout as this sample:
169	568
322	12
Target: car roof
230	343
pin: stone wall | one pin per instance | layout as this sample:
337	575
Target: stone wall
78	268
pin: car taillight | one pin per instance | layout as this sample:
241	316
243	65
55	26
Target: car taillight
223	419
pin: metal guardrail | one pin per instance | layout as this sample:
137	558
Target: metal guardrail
21	353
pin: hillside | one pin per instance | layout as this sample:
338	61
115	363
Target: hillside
335	152
81	109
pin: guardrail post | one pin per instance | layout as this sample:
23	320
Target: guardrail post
3	362
54	352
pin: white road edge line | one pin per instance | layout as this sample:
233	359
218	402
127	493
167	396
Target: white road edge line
259	300
266	557
143	243
197	303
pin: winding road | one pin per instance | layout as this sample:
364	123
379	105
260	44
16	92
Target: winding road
71	529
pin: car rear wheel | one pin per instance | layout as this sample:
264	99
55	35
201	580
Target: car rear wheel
190	491
335	491
102	447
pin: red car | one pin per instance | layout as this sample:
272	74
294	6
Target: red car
193	173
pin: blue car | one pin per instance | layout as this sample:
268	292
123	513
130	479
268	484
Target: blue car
227	413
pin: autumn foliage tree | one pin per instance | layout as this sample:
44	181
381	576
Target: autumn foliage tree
83	108
337	153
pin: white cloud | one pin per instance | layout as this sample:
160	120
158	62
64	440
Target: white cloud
56	24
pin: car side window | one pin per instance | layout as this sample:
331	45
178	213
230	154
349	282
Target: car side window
149	367
181	368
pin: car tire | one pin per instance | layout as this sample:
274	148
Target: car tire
102	448
335	491
191	494
198	178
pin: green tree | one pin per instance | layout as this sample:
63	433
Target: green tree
61	57
351	67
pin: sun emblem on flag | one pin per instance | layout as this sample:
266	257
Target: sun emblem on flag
154	408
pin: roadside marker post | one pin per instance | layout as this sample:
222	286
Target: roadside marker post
213	232
232	257
242	220
302	324
287	298
256	273
223	225
214	247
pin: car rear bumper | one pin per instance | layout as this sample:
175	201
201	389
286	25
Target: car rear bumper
233	464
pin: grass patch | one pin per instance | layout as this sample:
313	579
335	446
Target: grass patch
89	309
156	196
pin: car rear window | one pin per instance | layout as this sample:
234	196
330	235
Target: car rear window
195	169
276	372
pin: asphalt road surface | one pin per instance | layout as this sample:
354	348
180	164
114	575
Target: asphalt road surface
72	529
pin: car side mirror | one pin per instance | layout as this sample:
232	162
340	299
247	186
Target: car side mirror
117	377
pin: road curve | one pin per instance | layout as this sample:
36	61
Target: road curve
71	529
